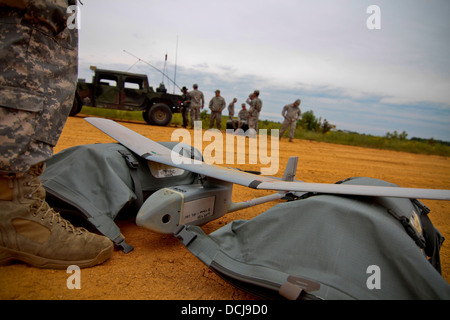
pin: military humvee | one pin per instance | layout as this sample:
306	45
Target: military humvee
126	91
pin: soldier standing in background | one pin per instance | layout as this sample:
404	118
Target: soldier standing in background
231	123
197	102
255	108
243	118
185	109
231	109
291	113
217	104
39	59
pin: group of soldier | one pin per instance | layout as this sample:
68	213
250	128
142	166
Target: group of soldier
194	101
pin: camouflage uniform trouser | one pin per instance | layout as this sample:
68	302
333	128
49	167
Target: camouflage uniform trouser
195	114
286	124
39	57
253	122
185	114
217	118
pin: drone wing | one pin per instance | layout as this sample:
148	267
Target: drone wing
153	151
357	190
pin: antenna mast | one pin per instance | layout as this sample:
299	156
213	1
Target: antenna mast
164	69
175	72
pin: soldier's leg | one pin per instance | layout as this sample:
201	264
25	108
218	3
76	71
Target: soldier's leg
37	85
193	115
219	120
292	131
38	55
284	127
251	123
211	119
185	114
252	127
197	113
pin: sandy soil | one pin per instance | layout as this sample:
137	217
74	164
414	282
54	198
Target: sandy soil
161	268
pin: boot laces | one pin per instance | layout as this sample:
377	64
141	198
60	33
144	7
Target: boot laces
44	209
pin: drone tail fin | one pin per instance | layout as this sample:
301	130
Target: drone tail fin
291	169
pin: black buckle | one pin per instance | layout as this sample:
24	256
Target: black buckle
129	159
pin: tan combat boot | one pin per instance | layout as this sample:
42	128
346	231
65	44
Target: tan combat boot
32	232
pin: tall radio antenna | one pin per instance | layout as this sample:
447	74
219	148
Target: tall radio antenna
164	69
175	72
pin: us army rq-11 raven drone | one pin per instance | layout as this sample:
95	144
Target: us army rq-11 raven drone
169	208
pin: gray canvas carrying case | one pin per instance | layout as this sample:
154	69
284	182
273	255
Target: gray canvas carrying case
328	247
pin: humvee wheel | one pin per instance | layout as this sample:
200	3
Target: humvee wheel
159	114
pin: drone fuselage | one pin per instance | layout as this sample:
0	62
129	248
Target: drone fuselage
196	204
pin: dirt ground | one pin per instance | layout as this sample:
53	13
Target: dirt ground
160	268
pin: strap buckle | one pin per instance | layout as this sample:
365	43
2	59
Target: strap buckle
184	236
120	243
129	159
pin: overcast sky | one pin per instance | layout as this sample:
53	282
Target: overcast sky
366	80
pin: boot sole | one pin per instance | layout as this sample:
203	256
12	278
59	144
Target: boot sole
7	256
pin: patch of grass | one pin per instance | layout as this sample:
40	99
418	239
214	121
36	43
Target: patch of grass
113	114
337	136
